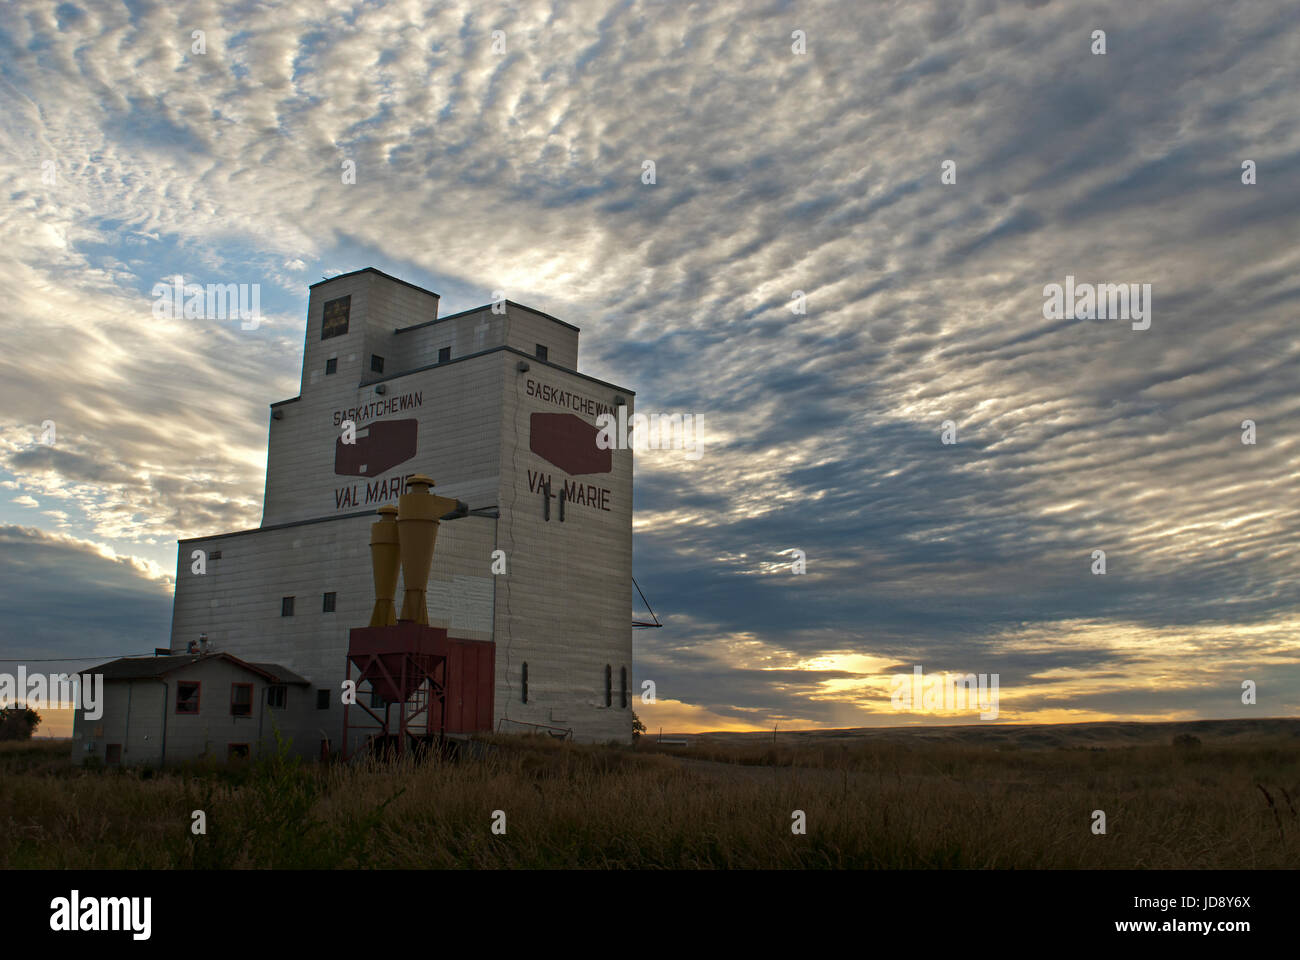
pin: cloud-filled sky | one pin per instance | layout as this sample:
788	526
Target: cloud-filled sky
126	157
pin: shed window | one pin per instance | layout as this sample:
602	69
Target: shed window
609	685
277	695
241	699
525	683
328	605
187	696
541	352
236	751
622	687
286	606
332	365
322	699
376	363
444	354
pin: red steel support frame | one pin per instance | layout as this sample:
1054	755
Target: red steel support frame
422	667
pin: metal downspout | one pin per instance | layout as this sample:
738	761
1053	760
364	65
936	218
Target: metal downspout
162	757
126	736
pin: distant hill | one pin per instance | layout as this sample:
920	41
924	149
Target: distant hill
1030	735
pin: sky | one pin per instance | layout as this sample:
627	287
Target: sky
920	172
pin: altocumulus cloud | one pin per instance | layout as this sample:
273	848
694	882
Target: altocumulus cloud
775	173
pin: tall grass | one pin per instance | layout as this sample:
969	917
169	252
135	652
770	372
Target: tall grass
868	805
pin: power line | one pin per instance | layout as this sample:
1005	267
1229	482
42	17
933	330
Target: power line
97	656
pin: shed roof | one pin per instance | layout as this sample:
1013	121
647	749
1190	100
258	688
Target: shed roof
143	668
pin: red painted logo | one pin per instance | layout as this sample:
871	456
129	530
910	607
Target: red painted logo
569	442
379	446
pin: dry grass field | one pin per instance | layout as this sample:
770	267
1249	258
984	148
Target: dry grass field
986	796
